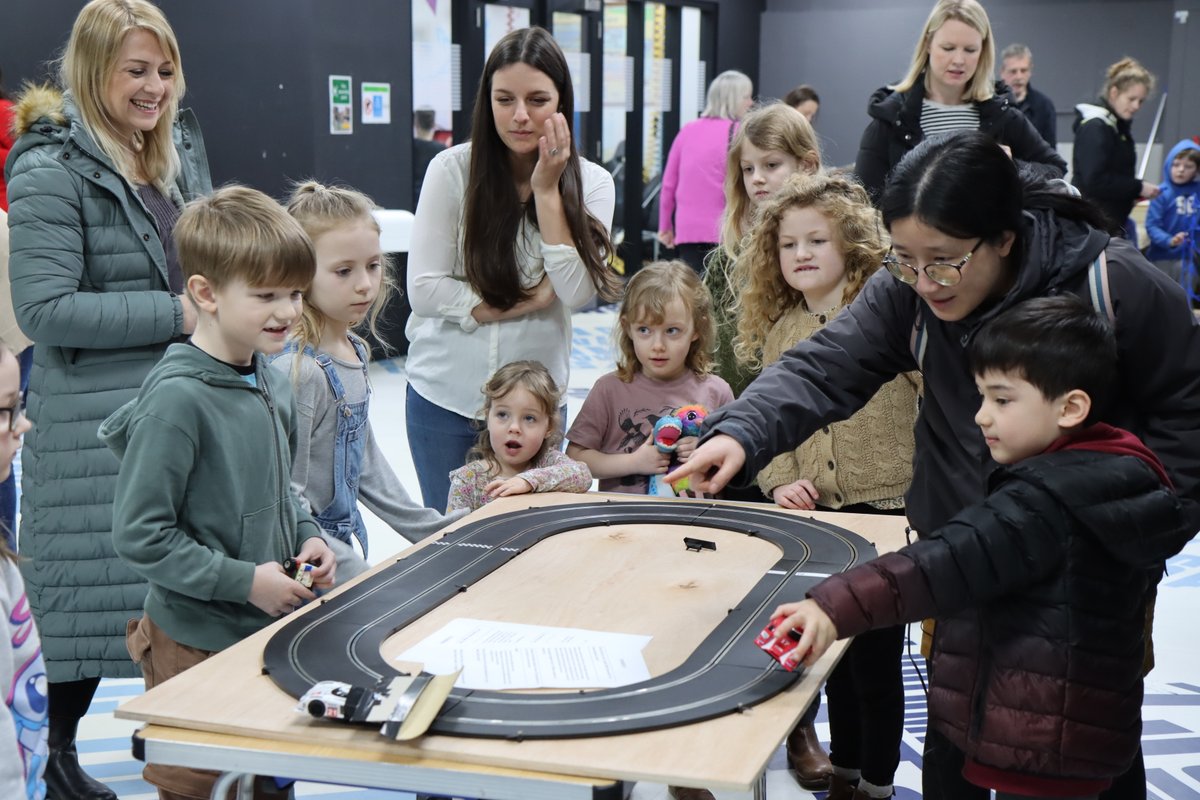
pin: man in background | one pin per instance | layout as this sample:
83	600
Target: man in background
1016	68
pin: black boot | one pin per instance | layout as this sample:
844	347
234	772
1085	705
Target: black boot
65	779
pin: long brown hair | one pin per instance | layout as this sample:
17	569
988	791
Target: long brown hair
494	211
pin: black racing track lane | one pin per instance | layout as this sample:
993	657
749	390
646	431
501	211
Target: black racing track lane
341	639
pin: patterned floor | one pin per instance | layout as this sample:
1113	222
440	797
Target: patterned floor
1171	710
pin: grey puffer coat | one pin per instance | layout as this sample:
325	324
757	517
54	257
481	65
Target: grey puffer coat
89	287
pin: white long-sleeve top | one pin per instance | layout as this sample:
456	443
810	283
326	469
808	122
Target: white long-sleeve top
450	355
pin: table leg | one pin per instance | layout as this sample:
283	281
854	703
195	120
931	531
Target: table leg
760	786
228	780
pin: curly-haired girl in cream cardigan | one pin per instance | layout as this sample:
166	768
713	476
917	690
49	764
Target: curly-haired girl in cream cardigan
809	253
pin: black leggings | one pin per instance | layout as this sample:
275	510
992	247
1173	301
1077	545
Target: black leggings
866	705
71	699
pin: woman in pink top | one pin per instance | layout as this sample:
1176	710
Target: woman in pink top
693	195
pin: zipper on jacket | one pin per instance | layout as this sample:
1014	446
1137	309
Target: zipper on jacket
280	464
982	675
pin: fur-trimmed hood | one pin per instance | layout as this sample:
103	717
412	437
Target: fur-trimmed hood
35	103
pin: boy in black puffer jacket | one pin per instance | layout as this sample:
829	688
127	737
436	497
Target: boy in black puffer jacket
1040	589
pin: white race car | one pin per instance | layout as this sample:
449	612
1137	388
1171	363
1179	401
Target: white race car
337	700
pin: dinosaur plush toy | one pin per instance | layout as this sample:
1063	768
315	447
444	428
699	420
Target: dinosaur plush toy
683	421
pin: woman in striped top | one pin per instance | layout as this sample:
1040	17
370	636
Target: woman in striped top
949	88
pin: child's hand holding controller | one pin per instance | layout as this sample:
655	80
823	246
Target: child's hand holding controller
276	592
314	551
818	632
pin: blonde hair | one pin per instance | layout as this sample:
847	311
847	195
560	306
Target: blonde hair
779	127
240	233
1125	73
320	209
857	233
726	94
647	296
970	13
533	377
87	67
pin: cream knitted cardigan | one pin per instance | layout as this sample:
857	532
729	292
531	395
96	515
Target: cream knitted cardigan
865	459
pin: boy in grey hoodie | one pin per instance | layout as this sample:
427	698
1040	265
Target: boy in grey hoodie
204	510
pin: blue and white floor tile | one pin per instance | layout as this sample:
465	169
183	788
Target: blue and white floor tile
1172	707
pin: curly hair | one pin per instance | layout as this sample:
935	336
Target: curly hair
857	232
533	377
647	296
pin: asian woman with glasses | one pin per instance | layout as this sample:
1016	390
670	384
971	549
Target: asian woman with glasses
969	240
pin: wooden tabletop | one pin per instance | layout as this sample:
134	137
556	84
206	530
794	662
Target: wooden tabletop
624	578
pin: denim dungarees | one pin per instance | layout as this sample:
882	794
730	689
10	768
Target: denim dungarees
341	518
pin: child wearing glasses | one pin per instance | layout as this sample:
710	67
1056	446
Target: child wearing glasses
1040	589
811	250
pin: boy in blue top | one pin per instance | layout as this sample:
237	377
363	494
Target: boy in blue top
1173	212
204	510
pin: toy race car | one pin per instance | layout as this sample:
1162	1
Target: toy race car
778	648
337	700
302	573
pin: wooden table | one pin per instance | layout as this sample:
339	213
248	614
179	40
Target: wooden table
225	715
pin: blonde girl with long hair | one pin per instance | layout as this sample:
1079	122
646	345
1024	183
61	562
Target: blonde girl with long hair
773	143
809	254
338	462
103	163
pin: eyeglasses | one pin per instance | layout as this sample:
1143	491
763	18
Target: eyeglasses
12	416
939	271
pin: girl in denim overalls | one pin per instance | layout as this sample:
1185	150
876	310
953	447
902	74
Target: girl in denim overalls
337	461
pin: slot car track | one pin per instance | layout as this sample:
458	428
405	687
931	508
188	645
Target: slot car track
340	640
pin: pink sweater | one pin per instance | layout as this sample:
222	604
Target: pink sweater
693	193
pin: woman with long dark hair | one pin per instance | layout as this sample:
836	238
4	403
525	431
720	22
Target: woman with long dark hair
511	235
970	239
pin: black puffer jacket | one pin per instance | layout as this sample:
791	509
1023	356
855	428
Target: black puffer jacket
1104	161
830	376
1039	593
895	128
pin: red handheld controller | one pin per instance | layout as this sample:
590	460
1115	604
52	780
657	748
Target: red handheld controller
779	647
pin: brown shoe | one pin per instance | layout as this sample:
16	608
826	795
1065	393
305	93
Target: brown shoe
684	793
807	759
